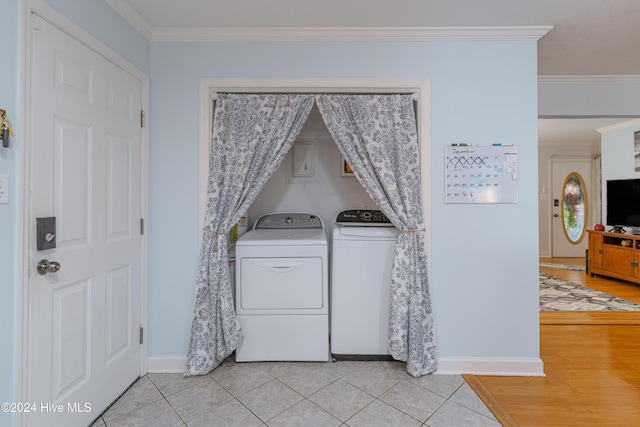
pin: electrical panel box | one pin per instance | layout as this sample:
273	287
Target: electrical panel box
300	164
302	159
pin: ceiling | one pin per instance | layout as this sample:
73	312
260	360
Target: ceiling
589	37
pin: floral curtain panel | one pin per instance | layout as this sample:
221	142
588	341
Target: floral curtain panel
251	135
377	135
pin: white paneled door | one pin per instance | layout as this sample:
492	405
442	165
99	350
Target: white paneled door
85	171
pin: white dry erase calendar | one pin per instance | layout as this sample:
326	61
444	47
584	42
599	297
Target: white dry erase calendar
481	174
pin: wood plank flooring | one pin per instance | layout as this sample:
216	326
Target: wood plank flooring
626	290
591	363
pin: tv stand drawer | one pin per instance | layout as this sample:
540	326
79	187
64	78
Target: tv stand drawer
614	255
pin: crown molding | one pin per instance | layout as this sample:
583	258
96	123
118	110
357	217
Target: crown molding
581	144
619	126
348	33
133	17
586	80
177	34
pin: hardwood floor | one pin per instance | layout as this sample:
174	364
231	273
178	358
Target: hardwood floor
619	288
591	362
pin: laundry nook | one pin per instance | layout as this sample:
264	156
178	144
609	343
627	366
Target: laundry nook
292	154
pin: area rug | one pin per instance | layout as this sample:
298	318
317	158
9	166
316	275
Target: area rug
563	266
559	295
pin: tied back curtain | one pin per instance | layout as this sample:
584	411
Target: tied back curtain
251	135
377	135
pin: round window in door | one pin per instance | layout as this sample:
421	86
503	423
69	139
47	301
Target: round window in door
574	207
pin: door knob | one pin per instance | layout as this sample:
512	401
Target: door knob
44	266
556	215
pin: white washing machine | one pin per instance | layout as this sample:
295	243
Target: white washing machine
361	259
282	289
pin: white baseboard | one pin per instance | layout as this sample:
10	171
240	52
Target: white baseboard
166	365
446	366
545	255
491	366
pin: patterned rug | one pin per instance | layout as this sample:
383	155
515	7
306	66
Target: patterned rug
563	266
559	295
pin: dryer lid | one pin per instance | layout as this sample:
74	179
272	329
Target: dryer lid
288	221
283	237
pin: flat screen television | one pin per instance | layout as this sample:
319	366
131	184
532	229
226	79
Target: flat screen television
623	202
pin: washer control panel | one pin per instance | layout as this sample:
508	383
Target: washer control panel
288	220
356	217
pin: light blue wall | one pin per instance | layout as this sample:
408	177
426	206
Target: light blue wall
9	158
484	263
100	20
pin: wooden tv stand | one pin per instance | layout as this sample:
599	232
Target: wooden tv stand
614	255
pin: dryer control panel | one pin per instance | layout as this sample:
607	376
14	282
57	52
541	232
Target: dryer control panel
356	217
288	220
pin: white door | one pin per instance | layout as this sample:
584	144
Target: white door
85	170
567	244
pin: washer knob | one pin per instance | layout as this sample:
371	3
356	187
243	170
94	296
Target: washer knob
289	220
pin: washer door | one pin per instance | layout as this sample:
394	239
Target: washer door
280	284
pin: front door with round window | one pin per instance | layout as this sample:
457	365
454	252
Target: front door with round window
570	206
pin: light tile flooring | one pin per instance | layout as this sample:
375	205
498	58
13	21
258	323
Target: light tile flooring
305	394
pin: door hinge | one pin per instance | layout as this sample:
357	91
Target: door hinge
142	226
141	334
141	118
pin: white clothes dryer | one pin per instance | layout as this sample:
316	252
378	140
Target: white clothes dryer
282	289
361	259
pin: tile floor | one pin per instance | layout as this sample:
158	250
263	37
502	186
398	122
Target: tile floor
305	394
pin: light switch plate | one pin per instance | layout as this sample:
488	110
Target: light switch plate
4	189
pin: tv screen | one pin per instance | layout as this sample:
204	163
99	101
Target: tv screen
623	202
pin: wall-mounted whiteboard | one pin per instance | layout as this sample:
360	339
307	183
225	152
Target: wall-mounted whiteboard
481	174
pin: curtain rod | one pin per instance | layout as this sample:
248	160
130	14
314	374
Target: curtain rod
414	96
